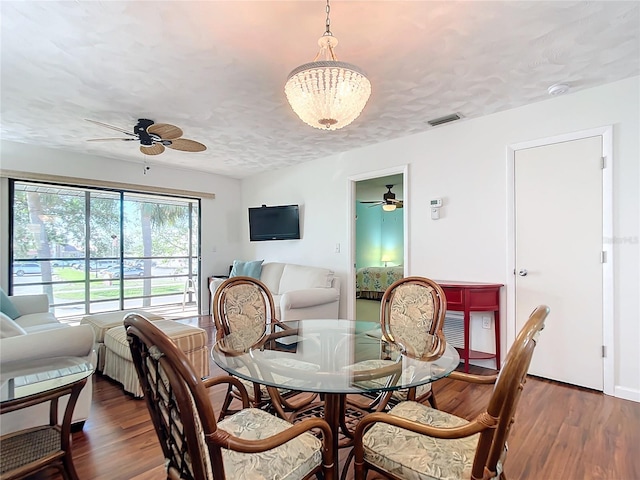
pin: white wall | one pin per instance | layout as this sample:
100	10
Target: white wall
221	217
465	164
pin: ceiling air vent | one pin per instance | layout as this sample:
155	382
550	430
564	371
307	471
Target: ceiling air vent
446	119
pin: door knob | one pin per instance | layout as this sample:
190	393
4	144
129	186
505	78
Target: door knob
523	272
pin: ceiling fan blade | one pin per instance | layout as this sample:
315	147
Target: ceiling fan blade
372	201
186	145
155	149
165	131
109	139
122	130
374	205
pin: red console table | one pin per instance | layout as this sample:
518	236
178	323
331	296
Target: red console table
470	297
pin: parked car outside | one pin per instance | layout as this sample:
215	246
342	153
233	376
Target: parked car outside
64	263
96	265
24	268
140	263
114	272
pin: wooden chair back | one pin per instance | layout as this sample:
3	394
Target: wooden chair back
506	394
245	316
180	409
243	309
412	312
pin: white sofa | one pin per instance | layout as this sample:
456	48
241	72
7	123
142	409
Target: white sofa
299	291
42	336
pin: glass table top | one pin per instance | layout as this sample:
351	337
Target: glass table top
22	379
331	356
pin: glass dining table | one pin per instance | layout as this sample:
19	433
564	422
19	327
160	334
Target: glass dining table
334	358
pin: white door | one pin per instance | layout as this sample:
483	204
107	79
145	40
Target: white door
558	245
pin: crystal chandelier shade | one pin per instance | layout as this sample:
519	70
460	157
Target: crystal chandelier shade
326	93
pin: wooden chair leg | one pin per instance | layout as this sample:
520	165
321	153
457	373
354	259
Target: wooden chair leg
224	410
432	400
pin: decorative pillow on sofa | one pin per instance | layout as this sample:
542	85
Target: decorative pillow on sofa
246	269
7	307
9	328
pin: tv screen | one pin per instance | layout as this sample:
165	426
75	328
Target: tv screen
274	223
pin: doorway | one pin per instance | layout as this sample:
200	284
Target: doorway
378	237
560	217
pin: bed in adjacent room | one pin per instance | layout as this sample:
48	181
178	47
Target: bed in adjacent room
371	282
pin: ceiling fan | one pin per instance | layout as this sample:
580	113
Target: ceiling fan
153	137
388	202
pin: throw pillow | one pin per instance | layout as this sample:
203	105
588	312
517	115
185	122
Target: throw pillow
7	307
246	269
9	328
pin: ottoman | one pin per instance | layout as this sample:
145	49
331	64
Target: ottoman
119	365
101	322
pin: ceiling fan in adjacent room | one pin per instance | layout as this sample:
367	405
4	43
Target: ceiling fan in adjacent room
153	137
389	202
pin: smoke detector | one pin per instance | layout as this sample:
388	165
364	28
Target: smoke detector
558	89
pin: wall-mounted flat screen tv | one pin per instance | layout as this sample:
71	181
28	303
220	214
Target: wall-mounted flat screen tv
280	222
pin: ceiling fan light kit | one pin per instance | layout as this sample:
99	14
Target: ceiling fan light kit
389	202
154	137
326	93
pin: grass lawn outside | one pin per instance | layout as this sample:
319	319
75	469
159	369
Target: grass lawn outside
105	288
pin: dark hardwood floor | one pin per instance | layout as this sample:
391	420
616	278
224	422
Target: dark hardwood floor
561	432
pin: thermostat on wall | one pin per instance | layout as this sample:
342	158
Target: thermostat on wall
435	205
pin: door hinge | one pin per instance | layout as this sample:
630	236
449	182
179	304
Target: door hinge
603	257
604	351
603	162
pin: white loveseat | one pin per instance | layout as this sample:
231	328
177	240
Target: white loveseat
39	336
299	292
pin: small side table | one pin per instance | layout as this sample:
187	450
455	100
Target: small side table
30	383
470	297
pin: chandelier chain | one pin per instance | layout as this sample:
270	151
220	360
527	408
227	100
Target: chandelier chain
328	22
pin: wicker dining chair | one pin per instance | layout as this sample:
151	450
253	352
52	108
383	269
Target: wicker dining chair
412	312
414	441
249	444
244	315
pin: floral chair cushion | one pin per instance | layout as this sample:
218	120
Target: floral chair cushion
246	315
411	317
290	461
413	456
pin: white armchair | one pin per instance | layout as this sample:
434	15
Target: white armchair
40	335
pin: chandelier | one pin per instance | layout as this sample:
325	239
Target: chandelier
326	93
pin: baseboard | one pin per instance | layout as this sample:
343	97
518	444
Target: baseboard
627	393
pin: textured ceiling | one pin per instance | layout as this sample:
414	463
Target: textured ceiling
217	69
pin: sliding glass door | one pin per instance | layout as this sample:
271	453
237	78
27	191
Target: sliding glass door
93	250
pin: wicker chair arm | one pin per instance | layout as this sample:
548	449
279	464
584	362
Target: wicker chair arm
232	382
482	422
278	323
471	378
